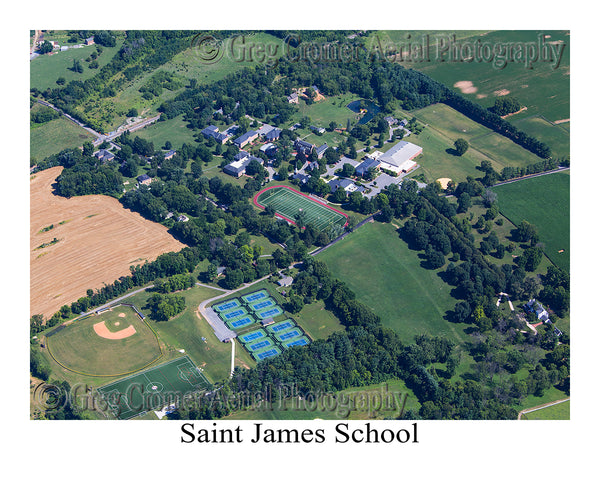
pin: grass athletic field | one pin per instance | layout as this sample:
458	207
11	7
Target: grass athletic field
288	203
387	276
81	348
529	200
153	388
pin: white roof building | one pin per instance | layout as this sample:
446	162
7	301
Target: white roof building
399	158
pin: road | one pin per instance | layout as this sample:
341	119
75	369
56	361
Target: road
100	137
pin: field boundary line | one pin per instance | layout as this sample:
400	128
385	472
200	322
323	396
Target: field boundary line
541	407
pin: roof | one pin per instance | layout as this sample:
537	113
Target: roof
143	177
400	152
246	136
241	155
265	128
170	153
273	134
286	281
240	164
267	146
322	148
368	163
300	176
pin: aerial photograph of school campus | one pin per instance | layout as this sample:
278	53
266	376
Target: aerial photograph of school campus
291	225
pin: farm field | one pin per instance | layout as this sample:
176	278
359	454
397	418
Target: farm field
386	276
529	200
56	135
543	90
91	230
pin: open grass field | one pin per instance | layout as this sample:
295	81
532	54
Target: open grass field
288	203
543	201
560	411
46	69
153	388
360	403
386	276
174	130
91	230
54	136
330	109
445	125
81	348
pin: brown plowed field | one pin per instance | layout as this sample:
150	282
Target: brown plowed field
96	245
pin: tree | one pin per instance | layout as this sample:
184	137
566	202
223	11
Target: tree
132	112
464	202
88	149
530	259
461	146
77	67
45	47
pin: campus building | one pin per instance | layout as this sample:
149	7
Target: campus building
399	158
237	168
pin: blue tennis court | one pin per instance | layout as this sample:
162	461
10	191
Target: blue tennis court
279	327
271	312
267	353
234	314
250	337
255	296
242	322
262	305
282	337
260	344
228	305
297	342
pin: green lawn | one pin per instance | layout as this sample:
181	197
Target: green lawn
56	135
386	276
444	126
174	130
46	69
543	201
560	411
361	403
80	348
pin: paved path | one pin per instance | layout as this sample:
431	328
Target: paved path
540	407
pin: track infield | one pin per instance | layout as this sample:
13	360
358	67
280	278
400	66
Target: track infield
153	388
288	203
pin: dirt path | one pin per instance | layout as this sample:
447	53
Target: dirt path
539	407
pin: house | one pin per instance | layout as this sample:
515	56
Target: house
312	165
536	307
246	138
144	179
348	185
104	155
302	178
237	168
273	135
321	150
391	120
269	149
293	98
264	129
399	158
295	126
182	218
303	147
89	41
170	154
168	215
366	165
212	131
319	130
